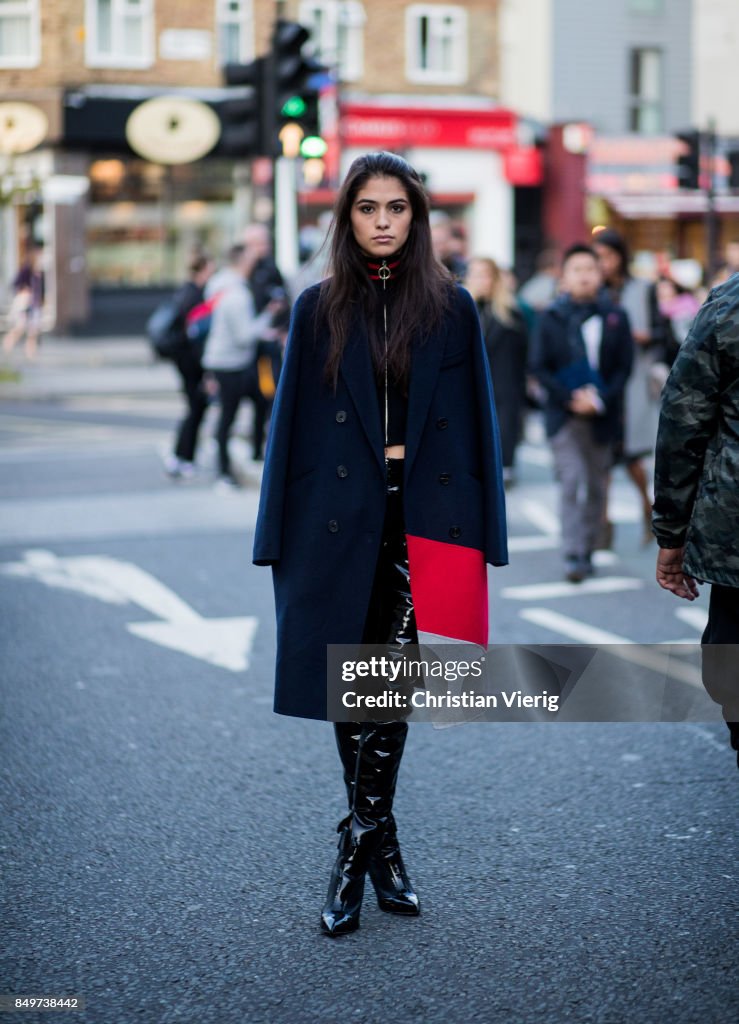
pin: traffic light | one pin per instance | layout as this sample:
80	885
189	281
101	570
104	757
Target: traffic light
296	86
688	168
281	92
243	131
733	157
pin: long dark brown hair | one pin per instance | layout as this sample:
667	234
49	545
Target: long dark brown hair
421	292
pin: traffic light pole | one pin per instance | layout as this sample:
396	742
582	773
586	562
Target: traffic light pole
286	216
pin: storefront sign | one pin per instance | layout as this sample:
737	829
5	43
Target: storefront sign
399	128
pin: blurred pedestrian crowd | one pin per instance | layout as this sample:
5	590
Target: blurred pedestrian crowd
225	329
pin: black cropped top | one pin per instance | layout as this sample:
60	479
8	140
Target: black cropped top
397	398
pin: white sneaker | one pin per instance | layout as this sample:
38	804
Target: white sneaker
227	485
172	466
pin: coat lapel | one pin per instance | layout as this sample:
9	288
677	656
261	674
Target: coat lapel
356	369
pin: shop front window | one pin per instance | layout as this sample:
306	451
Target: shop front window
145	221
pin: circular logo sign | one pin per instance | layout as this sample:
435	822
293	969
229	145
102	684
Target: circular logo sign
172	130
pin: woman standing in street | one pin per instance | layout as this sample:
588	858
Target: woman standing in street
506	343
382	494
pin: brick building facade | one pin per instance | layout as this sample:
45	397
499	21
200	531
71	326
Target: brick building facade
111	219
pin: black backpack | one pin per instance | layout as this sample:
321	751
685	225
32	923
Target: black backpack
163	329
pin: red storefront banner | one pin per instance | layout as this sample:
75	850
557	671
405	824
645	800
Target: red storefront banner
404	127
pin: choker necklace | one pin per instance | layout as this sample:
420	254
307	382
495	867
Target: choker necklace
382	271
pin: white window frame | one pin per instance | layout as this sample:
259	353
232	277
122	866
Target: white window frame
458	75
347	14
32	10
95	59
638	102
245	21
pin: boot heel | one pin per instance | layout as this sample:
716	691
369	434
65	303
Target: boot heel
395	894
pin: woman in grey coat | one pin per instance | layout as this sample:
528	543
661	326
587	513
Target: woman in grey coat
641	404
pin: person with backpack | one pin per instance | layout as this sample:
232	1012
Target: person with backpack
231	352
186	355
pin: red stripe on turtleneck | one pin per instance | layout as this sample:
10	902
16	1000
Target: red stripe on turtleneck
376	266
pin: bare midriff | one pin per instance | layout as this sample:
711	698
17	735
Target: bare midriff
395	451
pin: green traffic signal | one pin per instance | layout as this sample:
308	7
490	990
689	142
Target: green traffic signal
294	107
313	146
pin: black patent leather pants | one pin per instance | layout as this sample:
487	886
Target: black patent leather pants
390	616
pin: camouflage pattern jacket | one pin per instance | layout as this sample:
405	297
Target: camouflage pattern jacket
697	458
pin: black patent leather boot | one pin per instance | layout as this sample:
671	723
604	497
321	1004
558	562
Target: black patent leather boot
340	913
395	894
362	832
387	871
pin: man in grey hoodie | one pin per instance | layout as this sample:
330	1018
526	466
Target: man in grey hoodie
230	352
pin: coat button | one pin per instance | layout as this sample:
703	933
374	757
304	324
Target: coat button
454	531
341	416
333	526
444	478
442	423
342	471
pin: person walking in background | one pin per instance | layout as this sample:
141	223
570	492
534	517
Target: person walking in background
266	284
641	399
696	488
679	305
506	342
230	354
384	362
27	306
447	245
540	291
581	355
180	464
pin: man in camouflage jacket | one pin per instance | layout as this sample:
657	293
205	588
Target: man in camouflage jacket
696	508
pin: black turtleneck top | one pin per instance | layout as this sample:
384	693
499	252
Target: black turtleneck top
397	404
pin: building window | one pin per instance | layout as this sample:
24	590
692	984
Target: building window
20	45
120	33
436	44
645	109
337	34
234	31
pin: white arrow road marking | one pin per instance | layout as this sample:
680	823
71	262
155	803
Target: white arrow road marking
222	642
537	542
538	514
639	654
546	591
226	643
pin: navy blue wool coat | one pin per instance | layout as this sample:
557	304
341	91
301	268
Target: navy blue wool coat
322	502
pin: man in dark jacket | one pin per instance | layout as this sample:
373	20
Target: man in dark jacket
696	486
581	354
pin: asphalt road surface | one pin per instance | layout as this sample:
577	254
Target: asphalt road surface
167	839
